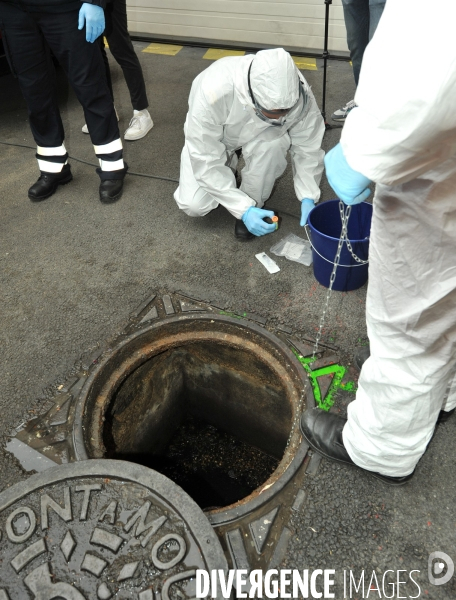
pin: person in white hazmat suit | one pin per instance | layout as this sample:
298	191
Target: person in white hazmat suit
401	135
262	105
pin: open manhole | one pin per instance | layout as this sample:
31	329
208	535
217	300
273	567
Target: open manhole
211	402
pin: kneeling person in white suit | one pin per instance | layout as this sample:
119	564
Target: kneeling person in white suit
262	105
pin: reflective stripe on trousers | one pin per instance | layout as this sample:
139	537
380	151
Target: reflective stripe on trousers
51	160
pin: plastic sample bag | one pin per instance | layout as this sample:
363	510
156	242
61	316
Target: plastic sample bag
294	248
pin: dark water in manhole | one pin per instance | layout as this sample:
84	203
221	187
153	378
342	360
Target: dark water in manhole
214	467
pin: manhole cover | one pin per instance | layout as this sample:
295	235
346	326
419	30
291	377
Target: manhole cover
102	529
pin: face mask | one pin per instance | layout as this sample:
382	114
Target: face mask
277	122
281	120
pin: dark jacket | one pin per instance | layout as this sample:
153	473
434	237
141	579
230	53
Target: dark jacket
51	5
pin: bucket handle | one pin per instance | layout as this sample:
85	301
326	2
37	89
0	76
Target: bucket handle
330	261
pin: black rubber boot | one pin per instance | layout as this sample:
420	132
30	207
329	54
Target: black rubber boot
323	431
47	184
241	232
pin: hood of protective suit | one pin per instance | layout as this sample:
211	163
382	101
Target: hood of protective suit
274	79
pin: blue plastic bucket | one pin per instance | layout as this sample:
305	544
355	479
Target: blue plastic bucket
325	227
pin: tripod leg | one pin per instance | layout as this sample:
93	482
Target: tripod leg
325	57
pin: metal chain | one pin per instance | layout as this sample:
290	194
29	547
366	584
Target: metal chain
360	260
346	240
344	216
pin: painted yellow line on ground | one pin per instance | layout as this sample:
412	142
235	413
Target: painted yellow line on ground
305	64
216	53
167	49
105	42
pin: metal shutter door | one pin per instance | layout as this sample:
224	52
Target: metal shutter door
298	25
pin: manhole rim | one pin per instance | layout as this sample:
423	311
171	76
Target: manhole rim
243	507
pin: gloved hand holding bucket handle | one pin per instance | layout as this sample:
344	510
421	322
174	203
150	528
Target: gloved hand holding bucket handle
350	186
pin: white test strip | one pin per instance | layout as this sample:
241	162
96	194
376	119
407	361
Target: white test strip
267	262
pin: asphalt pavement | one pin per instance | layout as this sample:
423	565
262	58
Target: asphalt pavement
72	270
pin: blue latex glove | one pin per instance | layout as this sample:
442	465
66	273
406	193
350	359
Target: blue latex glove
306	207
349	185
94	19
253	220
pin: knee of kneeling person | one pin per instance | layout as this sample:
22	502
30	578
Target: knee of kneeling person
191	204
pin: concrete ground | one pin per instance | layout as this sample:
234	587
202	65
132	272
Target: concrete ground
72	270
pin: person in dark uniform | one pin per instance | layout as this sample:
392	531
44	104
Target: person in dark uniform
30	29
121	48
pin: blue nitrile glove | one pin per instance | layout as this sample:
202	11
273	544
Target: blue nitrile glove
306	207
349	185
253	220
94	19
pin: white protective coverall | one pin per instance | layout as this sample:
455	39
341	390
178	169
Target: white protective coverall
221	119
402	135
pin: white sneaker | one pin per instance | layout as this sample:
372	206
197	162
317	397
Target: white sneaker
341	114
85	129
140	125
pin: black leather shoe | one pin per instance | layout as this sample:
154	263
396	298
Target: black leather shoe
110	190
323	431
361	355
47	184
445	415
241	232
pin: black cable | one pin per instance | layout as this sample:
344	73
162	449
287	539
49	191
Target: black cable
18	145
277	210
282	212
152	176
85	162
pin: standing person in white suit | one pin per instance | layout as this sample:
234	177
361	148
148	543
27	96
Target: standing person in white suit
405	141
262	105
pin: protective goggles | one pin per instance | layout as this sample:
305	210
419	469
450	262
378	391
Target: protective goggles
259	110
